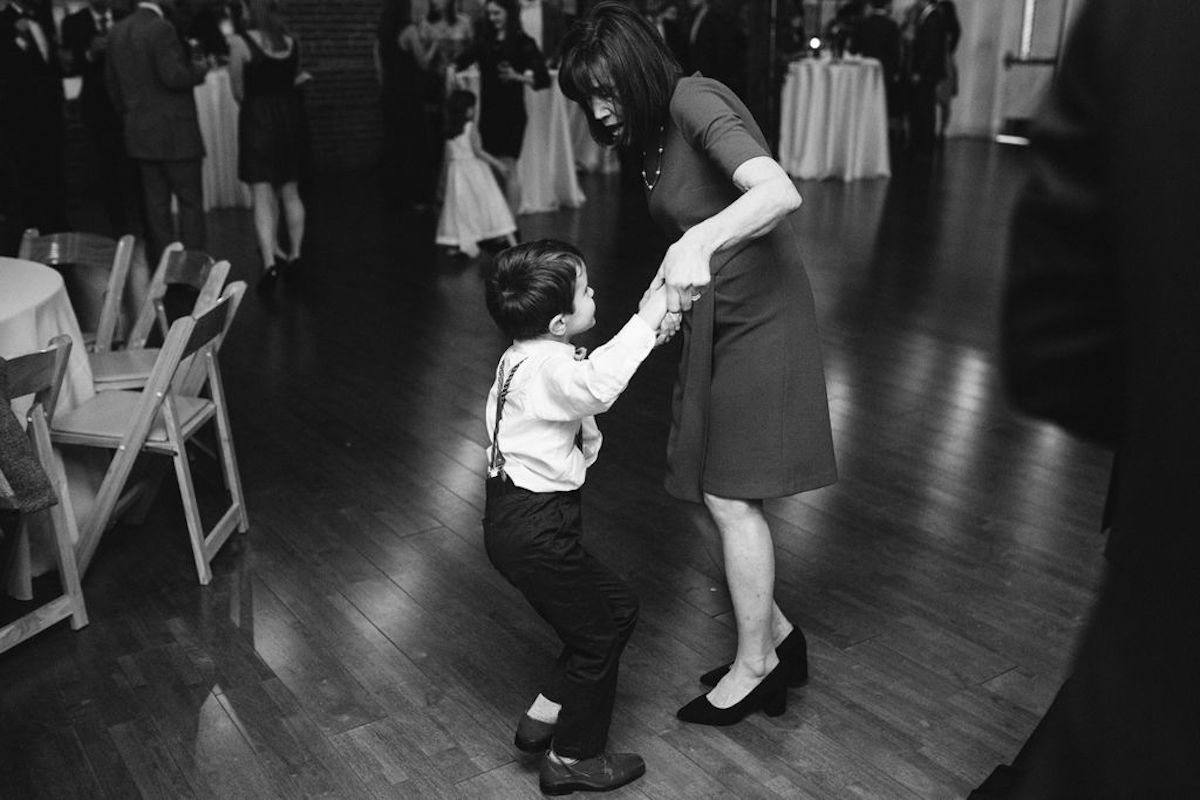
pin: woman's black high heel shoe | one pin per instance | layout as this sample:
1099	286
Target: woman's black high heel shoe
770	695
793	655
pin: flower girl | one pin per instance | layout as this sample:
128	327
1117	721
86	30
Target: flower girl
474	208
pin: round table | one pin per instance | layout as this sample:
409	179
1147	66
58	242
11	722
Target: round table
33	310
833	121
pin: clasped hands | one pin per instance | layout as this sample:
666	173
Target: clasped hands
684	275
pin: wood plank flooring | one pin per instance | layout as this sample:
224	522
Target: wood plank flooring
357	644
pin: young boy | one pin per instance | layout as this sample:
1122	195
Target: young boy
543	438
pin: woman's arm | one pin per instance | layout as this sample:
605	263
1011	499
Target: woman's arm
477	148
239	54
768	195
410	41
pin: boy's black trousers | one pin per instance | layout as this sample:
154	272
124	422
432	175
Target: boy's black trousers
533	539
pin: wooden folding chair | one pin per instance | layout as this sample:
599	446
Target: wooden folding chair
160	420
104	262
41	374
129	368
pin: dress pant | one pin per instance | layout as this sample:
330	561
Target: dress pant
161	180
922	117
533	539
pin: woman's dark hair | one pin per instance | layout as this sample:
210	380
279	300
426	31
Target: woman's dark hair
530	284
614	53
512	22
263	16
435	14
458	104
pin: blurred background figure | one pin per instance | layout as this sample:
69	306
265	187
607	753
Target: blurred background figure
665	16
264	71
840	31
450	32
926	67
1101	336
947	90
877	35
150	79
543	21
32	179
508	62
716	45
85	44
401	64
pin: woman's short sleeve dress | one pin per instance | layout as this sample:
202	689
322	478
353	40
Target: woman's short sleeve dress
750	413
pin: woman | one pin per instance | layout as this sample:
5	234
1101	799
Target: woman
508	62
264	69
401	63
449	29
750	417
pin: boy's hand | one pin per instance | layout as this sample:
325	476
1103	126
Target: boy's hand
653	311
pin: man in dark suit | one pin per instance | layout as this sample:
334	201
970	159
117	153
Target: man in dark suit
927	70
32	179
1102	335
85	41
716	45
877	36
150	81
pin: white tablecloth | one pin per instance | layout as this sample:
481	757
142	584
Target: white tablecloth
33	310
546	165
218	114
833	120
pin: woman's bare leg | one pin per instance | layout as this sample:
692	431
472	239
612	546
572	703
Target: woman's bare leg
293	214
749	556
266	221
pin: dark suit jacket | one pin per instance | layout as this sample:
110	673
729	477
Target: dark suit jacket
554	28
31	96
878	36
930	45
1102	335
150	81
719	50
78	32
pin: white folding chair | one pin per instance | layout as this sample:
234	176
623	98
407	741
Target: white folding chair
129	368
104	262
160	419
41	374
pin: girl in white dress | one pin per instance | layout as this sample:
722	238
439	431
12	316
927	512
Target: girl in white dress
474	208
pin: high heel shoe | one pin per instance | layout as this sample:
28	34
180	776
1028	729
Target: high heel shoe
268	278
792	652
770	695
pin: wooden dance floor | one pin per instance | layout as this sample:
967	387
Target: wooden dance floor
356	643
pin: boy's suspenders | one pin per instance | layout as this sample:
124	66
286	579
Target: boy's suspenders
496	466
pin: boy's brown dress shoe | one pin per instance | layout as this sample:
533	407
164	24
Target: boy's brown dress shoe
597	774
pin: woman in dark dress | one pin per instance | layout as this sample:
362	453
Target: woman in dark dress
750	416
401	64
508	62
264	69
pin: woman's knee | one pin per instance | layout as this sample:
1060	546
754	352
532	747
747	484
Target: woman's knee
731	510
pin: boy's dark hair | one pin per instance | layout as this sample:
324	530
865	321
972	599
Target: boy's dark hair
616	54
530	284
458	104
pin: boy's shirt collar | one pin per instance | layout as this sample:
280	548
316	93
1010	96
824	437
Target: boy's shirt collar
529	346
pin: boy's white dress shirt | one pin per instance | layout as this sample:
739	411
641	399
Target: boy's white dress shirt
551	396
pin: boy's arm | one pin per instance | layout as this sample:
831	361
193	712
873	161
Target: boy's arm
591	440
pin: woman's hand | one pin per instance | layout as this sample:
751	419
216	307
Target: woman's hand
507	73
686	271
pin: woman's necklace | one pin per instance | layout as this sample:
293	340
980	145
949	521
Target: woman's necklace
650	184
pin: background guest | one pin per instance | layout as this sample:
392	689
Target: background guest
264	70
150	80
665	17
508	62
947	90
927	69
401	64
716	45
85	41
543	21
32	180
877	36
